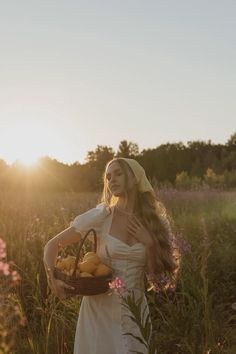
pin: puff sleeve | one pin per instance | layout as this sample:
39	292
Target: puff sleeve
91	219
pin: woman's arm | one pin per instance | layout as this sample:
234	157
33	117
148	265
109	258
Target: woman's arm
51	249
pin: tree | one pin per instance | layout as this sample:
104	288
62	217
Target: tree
127	149
232	140
196	182
212	179
102	153
182	180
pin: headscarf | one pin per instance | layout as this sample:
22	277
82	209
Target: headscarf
143	183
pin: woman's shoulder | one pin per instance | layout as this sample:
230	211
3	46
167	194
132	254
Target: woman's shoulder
99	212
103	208
94	216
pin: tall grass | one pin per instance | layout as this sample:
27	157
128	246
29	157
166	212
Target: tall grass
199	317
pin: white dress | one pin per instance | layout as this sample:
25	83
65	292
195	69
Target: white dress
103	319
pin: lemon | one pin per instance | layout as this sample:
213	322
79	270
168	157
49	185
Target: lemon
102	269
87	266
92	257
68	262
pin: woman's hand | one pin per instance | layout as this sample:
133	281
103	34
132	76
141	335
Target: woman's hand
58	288
139	232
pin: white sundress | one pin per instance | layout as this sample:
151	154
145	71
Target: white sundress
103	319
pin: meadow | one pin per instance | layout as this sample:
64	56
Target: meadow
198	318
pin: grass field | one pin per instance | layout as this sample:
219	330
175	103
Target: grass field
200	317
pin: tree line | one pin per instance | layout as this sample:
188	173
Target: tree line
191	165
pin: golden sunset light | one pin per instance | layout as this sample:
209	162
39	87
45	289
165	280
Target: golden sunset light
117	177
28	161
28	140
23	142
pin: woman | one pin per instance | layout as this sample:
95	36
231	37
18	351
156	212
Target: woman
133	238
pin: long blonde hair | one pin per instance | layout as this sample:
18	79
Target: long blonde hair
153	215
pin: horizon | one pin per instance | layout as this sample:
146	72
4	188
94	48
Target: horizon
34	162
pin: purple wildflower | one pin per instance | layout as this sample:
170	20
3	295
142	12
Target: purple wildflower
160	282
180	243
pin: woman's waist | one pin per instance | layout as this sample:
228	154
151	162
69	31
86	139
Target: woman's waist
130	281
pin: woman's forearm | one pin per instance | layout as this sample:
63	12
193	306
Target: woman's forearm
64	238
49	258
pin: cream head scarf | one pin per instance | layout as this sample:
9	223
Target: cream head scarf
140	175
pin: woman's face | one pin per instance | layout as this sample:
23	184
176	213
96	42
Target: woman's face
116	179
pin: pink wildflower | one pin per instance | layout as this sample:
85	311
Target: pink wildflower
4	268
2	249
15	276
117	285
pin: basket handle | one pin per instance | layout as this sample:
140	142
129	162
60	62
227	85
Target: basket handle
80	247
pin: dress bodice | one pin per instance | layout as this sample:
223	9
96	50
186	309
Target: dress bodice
127	262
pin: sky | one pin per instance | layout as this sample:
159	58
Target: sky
76	74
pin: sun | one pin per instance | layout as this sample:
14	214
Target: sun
27	141
28	161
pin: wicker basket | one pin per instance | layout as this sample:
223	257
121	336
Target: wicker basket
84	285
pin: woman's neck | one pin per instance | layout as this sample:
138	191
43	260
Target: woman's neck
123	211
127	208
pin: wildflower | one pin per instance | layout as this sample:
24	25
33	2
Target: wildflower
117	285
9	307
180	243
160	282
4	268
15	276
2	249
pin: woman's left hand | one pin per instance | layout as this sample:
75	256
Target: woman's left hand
139	232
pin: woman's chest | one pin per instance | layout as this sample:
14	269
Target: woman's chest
112	250
119	230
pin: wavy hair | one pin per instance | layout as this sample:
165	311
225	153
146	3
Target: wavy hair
153	215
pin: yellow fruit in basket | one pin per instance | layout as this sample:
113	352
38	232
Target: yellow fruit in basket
69	262
60	265
87	266
88	254
92	257
66	264
102	269
85	275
